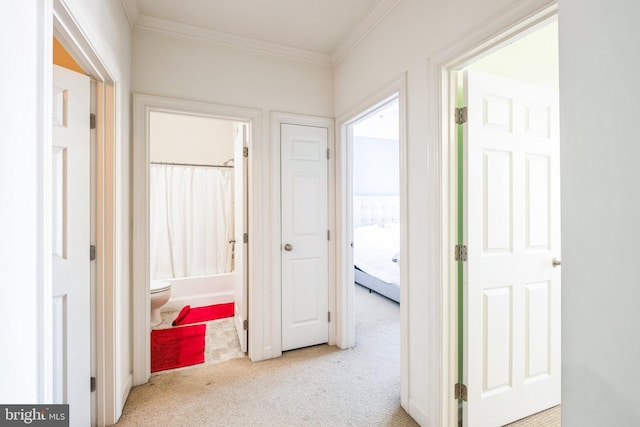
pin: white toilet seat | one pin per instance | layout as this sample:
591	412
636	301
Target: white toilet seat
159	286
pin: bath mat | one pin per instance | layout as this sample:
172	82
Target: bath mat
203	314
176	347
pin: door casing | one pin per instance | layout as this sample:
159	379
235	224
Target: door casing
278	118
308	243
67	30
142	106
345	299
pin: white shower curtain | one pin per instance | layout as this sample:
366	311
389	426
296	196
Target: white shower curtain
191	221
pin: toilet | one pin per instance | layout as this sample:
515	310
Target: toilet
160	294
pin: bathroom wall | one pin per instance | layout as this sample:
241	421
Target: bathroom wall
178	138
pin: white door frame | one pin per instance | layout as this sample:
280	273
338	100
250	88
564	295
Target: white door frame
74	39
344	295
278	118
143	105
514	22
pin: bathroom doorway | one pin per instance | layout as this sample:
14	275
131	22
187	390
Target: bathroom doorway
197	222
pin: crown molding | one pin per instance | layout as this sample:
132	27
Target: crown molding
131	10
362	30
150	23
227	39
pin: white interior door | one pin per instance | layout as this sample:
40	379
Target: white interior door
305	246
512	225
240	223
71	274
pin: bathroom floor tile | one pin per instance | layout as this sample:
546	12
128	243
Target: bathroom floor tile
221	340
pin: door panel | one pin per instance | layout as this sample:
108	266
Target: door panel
70	251
240	208
305	249
512	226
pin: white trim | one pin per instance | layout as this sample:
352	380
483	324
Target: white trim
482	40
192	32
70	33
166	26
44	264
418	414
131	10
345	304
377	15
277	119
143	105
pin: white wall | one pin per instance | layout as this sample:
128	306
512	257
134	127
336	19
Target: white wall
600	101
376	166
177	67
25	131
183	68
21	195
178	138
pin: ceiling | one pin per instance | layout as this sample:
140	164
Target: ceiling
322	31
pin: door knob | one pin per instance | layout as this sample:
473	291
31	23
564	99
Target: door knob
288	247
556	263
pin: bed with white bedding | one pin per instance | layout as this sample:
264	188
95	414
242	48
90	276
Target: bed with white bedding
376	240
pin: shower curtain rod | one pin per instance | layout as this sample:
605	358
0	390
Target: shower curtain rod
191	164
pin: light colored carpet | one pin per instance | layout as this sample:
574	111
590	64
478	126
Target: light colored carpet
549	418
315	386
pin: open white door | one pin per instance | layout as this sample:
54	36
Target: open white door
71	277
240	223
305	246
512	226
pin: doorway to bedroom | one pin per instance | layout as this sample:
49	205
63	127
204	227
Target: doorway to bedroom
372	206
507	147
375	201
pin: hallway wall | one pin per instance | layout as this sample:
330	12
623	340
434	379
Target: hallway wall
599	98
177	67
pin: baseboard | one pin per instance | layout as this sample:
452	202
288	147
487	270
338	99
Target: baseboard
124	394
420	416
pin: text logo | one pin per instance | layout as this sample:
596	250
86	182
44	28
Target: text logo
34	415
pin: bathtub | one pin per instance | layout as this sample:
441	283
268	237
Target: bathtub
199	291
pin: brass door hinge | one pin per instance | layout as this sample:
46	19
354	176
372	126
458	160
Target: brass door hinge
461	115
461	253
461	392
